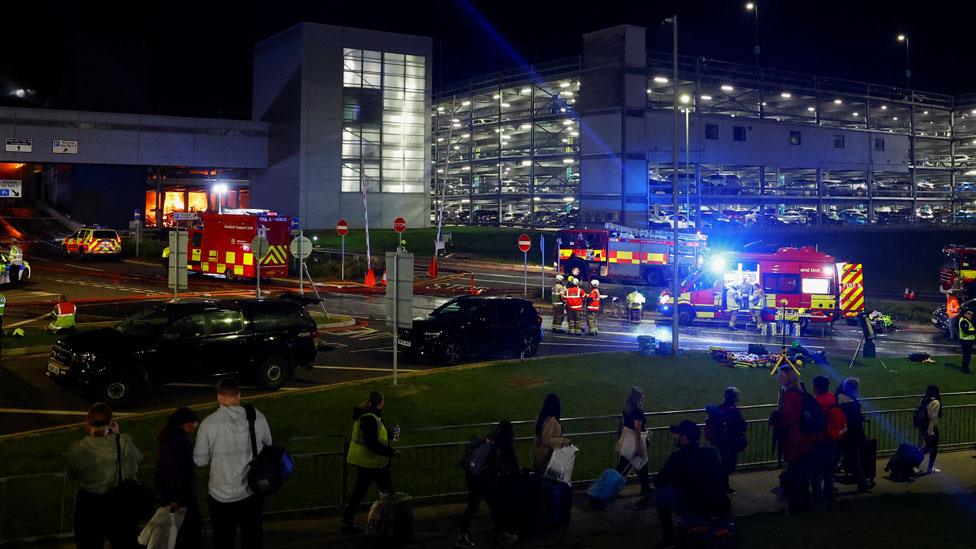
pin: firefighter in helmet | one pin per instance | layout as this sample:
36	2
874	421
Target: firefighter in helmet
635	306
574	305
593	307
558	307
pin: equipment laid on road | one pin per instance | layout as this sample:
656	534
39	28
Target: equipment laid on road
809	281
627	255
222	244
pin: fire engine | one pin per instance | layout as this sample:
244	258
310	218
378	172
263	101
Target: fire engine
221	244
627	255
815	287
958	262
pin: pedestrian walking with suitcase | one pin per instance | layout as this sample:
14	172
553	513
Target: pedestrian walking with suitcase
928	427
369	455
490	468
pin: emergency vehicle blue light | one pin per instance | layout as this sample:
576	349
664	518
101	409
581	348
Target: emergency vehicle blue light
717	264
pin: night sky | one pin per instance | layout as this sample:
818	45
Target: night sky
194	58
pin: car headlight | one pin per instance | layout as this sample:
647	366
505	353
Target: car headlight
86	357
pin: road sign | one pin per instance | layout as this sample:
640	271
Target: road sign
10	188
342	227
524	243
259	247
185	216
399	225
301	247
137	214
295	225
64	146
19	145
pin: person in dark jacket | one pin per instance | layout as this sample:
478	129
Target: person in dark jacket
853	441
691	484
488	483
176	476
725	429
369	454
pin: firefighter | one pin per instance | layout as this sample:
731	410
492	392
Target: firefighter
63	316
635	306
593	307
574	305
756	302
3	305
165	258
558	307
967	334
952	315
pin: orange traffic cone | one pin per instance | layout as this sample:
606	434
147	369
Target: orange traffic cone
383	282
432	270
370	278
907	294
911	295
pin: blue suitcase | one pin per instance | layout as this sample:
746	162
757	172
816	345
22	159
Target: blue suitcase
607	486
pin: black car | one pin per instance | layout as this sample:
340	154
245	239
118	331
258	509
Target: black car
941	320
263	340
474	325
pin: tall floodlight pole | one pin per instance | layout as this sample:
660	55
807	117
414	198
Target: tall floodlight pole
754	8
675	284
908	62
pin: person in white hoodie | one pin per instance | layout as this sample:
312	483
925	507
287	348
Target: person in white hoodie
224	443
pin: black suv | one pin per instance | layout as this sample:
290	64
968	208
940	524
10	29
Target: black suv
172	341
474	325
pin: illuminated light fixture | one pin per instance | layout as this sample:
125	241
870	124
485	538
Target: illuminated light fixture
568	160
440	109
567	122
465	135
574	134
727	88
506	105
685	99
536	199
526	162
786	95
567	93
565	140
457	147
811	109
661	79
455	125
706	98
440	170
855	114
440	139
465	103
455	120
526	91
496	96
925	112
525	126
973	111
648	90
564	84
750	6
465	168
884	107
497	130
895	119
562	109
838	101
901	38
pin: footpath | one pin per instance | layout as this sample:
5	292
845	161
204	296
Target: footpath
622	523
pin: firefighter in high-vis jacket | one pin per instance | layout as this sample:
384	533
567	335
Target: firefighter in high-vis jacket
63	316
756	303
635	306
558	307
574	305
593	307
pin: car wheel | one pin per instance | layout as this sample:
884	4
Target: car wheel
81	255
229	275
273	372
529	347
117	390
653	277
64	251
452	352
685	316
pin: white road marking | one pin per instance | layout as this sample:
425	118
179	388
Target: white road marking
388	349
85	268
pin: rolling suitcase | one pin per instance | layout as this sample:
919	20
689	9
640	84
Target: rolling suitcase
607	486
869	458
557	504
903	463
525	501
391	519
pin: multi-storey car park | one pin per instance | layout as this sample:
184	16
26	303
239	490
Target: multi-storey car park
589	139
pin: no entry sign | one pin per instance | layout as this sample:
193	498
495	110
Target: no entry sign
342	227
524	243
399	225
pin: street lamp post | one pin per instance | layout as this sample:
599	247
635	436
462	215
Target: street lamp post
220	189
908	63
754	8
675	284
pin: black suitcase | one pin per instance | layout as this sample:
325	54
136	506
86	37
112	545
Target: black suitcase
903	463
557	504
869	458
525	504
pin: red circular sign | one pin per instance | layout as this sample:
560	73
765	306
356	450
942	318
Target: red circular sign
342	227
399	224
524	243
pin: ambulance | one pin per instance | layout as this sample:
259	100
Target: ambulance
815	287
221	244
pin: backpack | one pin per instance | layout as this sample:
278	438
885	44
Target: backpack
812	420
716	425
476	454
920	418
268	469
834	411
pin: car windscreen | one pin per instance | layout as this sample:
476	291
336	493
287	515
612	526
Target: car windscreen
145	322
463	307
104	234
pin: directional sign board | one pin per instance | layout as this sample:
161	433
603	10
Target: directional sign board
185	216
399	225
19	145
304	243
178	241
402	286
342	227
259	247
64	146
10	188
524	243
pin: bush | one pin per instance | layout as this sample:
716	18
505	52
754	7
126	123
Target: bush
150	248
322	266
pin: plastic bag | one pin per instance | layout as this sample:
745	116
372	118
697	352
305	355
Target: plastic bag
162	529
561	464
626	449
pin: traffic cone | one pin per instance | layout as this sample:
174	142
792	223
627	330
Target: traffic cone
383	282
911	295
907	293
473	291
432	269
370	278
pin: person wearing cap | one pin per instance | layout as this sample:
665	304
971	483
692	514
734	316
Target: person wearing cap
967	334
797	445
593	307
558	307
691	484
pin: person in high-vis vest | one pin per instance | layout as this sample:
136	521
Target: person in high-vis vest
953	311
593	307
635	306
64	316
967	335
3	305
369	454
756	303
574	306
558	307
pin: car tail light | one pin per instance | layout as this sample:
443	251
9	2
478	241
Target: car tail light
315	335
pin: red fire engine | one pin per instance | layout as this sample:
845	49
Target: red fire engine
627	255
815	287
958	262
221	244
